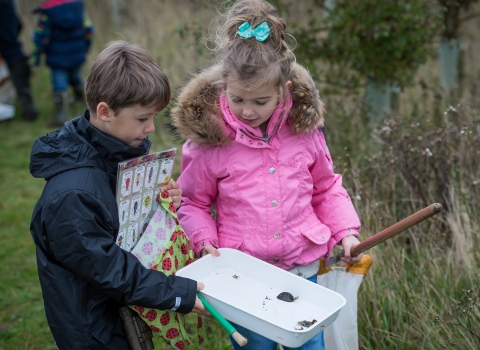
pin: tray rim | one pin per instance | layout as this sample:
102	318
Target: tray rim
269	266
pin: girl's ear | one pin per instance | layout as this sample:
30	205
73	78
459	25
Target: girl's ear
288	85
104	112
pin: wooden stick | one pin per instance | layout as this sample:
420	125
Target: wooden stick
395	229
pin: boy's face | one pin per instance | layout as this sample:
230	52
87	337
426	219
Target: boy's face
132	124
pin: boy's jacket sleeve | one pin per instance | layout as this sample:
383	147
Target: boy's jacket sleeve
81	237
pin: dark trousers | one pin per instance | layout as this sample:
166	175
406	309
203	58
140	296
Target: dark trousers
10	47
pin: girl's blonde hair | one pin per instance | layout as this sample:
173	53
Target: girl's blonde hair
250	62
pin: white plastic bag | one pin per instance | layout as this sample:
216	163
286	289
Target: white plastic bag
342	334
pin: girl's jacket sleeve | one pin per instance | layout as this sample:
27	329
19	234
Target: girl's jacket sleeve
199	190
80	235
330	199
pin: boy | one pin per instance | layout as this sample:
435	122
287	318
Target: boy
85	277
64	33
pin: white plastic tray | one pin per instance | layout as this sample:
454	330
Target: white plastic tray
244	290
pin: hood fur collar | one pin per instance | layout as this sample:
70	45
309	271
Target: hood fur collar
198	117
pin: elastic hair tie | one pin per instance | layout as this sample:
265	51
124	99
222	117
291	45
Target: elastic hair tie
261	33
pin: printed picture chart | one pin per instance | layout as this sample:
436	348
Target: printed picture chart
139	181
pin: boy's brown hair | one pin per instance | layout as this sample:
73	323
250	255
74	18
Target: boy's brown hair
124	75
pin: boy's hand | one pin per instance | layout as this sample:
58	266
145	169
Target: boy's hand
175	192
347	243
198	307
210	250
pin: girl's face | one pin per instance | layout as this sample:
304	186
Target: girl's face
253	107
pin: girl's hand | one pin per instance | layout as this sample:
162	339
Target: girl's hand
210	250
175	192
347	243
198	307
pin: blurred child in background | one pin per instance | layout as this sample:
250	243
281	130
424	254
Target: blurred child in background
64	33
11	51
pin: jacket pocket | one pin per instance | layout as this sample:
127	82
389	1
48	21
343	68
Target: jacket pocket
317	233
103	334
102	314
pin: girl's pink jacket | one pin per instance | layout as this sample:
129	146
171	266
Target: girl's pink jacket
275	198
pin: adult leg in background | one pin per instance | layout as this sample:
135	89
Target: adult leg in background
11	51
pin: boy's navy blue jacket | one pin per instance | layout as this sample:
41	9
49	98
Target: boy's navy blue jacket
85	277
63	32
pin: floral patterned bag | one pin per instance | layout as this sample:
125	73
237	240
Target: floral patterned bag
164	247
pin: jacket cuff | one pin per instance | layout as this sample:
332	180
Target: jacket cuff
185	305
338	238
200	245
345	233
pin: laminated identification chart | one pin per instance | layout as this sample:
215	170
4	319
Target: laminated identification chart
139	181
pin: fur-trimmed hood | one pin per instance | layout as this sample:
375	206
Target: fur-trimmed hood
198	117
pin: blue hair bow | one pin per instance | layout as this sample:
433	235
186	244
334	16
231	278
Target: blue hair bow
260	33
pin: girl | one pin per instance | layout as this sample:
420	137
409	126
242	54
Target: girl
257	153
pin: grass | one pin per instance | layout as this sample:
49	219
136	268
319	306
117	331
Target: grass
21	301
416	292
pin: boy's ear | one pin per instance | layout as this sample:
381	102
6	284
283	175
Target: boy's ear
104	112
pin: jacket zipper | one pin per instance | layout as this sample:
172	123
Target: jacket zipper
264	139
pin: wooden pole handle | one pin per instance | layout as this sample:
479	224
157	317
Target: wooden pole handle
395	229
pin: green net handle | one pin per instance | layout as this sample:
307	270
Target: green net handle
223	322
